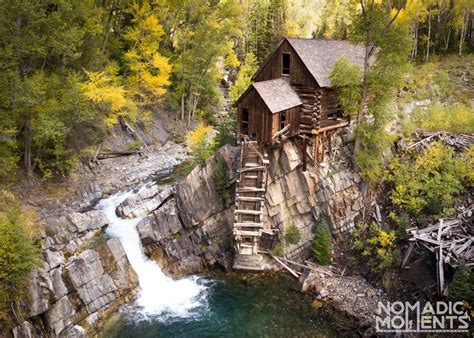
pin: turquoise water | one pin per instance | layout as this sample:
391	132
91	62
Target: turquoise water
235	305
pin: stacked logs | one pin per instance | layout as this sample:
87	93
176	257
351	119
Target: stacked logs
310	109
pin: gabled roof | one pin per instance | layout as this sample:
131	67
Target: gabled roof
277	95
319	56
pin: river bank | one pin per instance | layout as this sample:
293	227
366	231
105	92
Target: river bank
237	305
95	261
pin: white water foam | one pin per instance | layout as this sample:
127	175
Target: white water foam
159	295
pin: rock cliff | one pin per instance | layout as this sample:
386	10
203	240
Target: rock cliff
83	278
192	230
187	228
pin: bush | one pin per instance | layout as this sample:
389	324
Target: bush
221	179
200	143
457	118
430	181
377	245
278	249
462	286
402	221
293	234
18	253
133	146
322	243
226	133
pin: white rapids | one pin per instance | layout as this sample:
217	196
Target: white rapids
159	294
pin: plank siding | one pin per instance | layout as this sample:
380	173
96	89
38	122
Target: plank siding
260	117
262	122
299	74
331	112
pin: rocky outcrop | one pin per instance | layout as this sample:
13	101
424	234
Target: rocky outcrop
144	202
351	295
192	230
79	282
300	198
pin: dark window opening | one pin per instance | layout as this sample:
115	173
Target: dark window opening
282	120
245	122
285	70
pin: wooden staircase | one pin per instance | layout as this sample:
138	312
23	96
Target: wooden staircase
249	206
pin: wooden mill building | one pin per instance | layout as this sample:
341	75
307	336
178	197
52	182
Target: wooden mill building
290	97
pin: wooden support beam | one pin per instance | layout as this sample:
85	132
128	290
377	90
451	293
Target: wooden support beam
249	212
247	233
250	198
258	168
316	147
250	189
290	270
304	154
248	225
408	254
331	127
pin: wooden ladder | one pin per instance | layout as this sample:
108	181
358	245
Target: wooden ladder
250	198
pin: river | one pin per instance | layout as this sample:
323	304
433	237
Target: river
212	305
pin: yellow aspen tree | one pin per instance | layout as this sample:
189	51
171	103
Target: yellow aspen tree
149	71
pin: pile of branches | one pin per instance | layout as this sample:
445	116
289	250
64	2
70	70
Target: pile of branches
458	141
451	240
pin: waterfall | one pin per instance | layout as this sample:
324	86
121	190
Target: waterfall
159	295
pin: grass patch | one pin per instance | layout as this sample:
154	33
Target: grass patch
179	173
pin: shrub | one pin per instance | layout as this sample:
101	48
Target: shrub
226	132
278	249
457	118
430	181
322	243
462	286
200	143
377	245
293	234
221	179
18	254
402	221
133	146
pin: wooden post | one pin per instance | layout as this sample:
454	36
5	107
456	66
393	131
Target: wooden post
329	144
323	138
316	152
304	154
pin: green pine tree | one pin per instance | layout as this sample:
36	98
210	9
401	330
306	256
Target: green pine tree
462	286
322	243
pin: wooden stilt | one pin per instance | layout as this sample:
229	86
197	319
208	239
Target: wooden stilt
322	146
316	148
304	154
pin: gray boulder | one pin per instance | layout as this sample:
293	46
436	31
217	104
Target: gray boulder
162	223
88	221
144	202
60	316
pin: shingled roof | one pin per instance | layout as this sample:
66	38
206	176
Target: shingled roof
277	94
319	56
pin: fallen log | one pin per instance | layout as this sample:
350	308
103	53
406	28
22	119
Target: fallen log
127	126
112	154
290	270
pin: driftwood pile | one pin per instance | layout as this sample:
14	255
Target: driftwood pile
458	141
451	240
